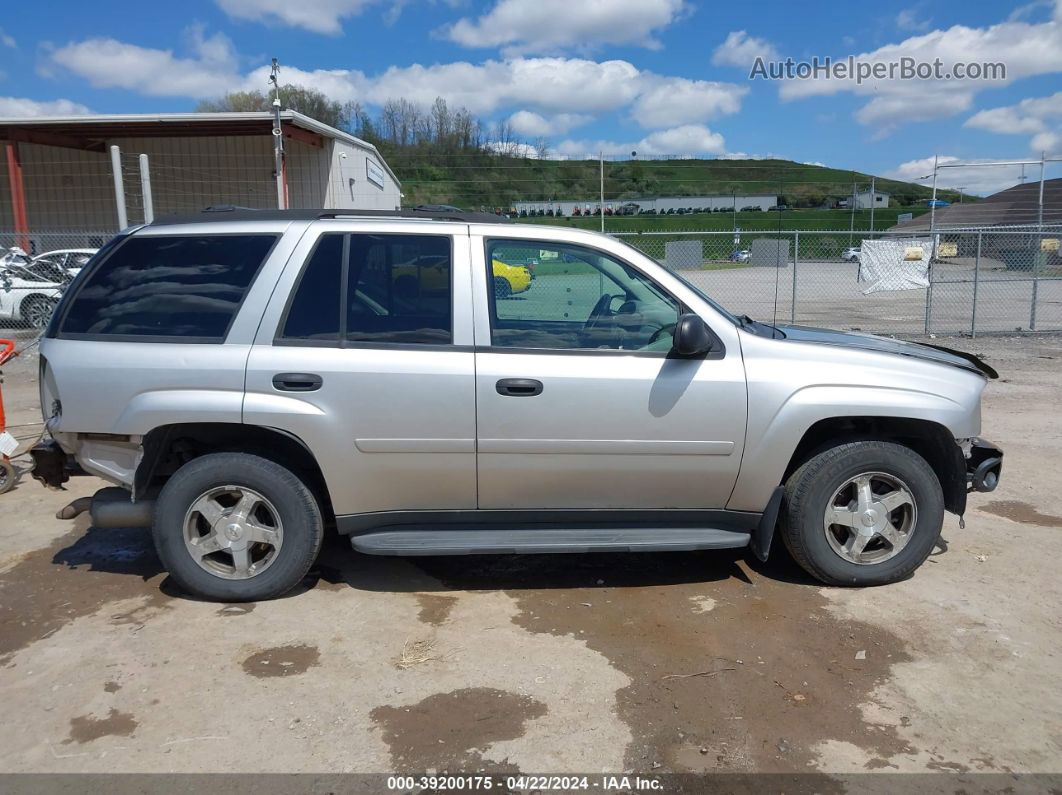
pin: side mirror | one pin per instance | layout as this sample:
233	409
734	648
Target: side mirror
691	336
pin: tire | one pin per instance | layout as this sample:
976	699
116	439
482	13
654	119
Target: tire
281	535
829	550
8	476
36	310
502	288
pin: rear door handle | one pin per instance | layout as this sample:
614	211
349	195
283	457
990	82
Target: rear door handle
519	387
297	382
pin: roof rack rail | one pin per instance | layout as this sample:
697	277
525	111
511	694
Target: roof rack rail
229	212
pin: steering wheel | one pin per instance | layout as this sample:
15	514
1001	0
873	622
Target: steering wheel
670	327
601	309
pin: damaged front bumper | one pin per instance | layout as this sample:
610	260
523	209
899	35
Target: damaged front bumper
984	464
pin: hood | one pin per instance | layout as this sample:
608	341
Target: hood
871	342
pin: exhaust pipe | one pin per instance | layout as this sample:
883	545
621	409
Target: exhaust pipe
111	508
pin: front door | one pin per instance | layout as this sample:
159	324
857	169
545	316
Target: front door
580	403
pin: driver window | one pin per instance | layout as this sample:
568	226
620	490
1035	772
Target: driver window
553	295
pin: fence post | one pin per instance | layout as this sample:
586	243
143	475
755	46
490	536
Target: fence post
929	289
145	188
119	187
1035	282
796	261
977	274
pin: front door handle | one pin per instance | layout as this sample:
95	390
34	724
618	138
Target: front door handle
297	382
519	387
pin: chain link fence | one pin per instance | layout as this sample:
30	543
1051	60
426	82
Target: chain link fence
978	281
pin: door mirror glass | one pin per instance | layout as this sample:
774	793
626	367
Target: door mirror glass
692	336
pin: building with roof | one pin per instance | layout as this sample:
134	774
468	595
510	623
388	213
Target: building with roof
56	174
1016	206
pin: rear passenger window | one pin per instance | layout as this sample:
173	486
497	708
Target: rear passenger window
314	311
398	291
172	287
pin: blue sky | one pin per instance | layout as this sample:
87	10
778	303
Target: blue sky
656	76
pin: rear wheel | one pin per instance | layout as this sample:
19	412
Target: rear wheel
236	527
502	288
863	513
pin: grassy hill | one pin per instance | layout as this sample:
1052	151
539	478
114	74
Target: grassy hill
486	181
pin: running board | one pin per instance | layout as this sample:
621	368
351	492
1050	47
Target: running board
416	540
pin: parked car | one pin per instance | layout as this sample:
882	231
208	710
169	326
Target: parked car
739	255
850	254
30	287
247	378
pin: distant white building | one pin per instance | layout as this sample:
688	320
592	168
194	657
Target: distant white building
56	172
865	200
660	204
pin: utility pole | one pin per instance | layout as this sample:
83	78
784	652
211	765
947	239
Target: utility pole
278	139
851	215
933	201
873	201
601	163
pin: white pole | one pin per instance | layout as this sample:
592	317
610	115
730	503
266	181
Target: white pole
145	188
278	152
933	201
119	187
601	162
873	201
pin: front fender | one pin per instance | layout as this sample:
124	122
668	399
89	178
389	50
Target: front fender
774	435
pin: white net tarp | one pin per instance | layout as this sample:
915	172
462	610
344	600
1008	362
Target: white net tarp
894	264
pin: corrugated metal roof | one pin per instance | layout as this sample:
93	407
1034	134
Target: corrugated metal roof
1016	206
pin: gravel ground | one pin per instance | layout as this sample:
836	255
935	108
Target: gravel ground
666	662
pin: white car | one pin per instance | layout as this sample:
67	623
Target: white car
30	287
851	254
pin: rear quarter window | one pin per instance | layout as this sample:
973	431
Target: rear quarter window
186	287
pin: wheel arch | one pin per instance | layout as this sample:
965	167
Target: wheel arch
167	447
931	440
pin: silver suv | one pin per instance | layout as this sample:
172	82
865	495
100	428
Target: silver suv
248	379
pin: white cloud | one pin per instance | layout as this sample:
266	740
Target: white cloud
21	107
908	19
109	63
741	49
1040	117
557	93
687	139
525	26
533	125
676	100
1026	49
974	179
8	40
319	16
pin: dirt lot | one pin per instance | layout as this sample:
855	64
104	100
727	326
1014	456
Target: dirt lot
680	662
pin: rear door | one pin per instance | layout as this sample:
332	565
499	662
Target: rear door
580	403
365	354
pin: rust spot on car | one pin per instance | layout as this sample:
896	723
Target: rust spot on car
449	731
86	728
758	682
282	661
1022	512
435	608
76	576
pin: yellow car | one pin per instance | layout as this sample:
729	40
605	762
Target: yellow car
430	274
509	279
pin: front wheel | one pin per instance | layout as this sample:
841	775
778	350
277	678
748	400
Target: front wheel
863	513
502	288
235	527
